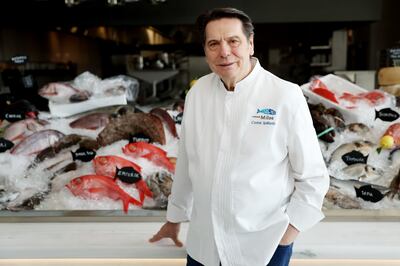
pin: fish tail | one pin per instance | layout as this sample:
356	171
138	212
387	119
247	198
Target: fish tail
135	202
258	111
73	156
376	114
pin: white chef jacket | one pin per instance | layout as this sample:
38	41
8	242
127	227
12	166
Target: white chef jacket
249	164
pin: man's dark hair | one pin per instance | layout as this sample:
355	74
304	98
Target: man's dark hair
224	12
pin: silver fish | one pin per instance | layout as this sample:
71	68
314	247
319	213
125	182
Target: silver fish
37	142
346	186
365	147
361	171
21	129
359	128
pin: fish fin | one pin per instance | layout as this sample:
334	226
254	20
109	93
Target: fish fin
378	150
141	196
144	189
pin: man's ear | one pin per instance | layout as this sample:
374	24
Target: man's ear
251	43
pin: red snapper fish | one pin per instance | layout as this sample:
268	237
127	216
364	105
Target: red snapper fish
111	165
373	98
98	186
150	152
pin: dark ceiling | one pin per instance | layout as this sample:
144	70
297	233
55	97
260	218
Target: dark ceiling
181	12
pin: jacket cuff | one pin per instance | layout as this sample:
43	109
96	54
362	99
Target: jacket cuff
303	216
176	214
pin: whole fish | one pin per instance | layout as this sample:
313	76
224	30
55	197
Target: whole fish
91	121
23	128
365	147
128	124
109	165
359	128
339	199
360	171
97	186
66	142
37	142
356	188
62	92
150	152
167	119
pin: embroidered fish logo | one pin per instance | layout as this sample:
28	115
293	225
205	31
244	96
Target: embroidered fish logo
266	111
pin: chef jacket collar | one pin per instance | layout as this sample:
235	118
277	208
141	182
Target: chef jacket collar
246	82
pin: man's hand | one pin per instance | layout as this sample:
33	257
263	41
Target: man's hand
168	230
289	236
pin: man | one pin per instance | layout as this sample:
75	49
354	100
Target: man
250	174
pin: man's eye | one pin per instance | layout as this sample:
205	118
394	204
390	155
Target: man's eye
212	45
234	42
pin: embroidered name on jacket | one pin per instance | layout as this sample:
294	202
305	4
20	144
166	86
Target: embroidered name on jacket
264	116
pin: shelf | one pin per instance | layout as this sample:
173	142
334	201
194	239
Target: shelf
320	47
323	64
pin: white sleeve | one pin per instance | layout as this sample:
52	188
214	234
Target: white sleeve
181	199
311	178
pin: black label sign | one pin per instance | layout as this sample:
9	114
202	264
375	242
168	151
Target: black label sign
368	193
139	137
83	154
387	115
354	157
128	175
5	144
13	117
178	118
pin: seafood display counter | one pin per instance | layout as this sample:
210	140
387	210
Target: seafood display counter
87	184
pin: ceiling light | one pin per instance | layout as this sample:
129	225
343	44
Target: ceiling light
115	2
71	3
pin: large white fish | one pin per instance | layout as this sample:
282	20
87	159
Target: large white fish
21	129
63	92
365	147
360	171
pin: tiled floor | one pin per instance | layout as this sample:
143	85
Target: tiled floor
125	243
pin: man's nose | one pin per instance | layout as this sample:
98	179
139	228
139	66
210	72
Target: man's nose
225	49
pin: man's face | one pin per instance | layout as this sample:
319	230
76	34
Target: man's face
228	50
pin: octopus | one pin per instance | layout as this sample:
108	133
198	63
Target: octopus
324	118
130	124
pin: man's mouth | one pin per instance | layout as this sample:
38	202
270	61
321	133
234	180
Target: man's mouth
226	64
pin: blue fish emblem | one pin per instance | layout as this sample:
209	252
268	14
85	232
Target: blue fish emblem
266	111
